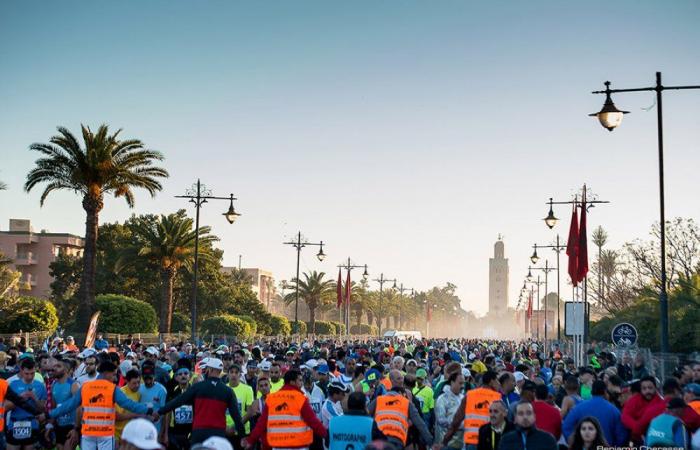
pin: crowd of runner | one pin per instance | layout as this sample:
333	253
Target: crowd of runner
339	395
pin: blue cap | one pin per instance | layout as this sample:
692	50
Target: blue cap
372	375
323	368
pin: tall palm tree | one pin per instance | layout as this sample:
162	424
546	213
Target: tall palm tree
3	186
600	238
169	244
315	291
104	165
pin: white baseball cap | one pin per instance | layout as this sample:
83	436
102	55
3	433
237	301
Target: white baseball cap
142	434
215	363
131	355
152	351
265	366
519	376
214	443
203	364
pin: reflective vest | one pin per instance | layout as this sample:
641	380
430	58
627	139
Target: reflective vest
476	412
350	432
285	426
3	391
97	401
391	416
386	383
695	404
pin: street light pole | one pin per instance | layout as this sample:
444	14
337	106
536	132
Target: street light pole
534	258
610	118
299	244
199	195
546	269
381	280
401	289
349	266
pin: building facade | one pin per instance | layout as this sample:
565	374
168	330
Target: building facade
498	280
31	253
263	284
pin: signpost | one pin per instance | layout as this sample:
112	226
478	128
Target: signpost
575	326
624	335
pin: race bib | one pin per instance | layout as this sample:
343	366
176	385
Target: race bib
22	430
183	415
316	407
65	420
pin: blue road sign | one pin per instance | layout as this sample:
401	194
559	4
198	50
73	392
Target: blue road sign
624	335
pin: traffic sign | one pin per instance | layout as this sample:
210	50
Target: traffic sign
624	335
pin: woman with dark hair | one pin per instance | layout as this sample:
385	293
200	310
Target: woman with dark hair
588	435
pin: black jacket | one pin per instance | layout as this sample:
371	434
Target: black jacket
534	440
489	440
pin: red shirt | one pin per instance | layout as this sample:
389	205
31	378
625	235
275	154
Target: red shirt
634	409
690	418
547	418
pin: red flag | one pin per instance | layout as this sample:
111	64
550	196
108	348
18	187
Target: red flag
582	266
348	289
339	289
529	306
572	247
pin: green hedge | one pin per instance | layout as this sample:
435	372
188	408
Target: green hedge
364	328
251	323
339	327
226	325
322	327
302	327
27	314
280	325
181	323
124	315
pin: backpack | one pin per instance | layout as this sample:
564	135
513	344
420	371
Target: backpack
662	430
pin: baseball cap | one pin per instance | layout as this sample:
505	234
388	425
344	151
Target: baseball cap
142	434
421	373
203	364
311	363
372	375
693	388
215	363
339	386
466	373
252	364
214	443
265	366
323	368
87	352
148	370
152	351
131	355
519	376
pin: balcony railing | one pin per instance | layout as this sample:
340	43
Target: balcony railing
25	259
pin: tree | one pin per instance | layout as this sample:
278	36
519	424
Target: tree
9	279
315	291
600	238
122	314
168	244
27	314
3	186
105	165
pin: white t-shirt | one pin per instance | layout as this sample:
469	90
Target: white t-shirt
85	378
330	410
316	399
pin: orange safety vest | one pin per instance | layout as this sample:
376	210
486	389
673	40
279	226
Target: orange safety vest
695	404
285	426
391	416
3	391
476	412
97	401
386	382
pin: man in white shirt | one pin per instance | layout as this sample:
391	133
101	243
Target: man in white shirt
332	407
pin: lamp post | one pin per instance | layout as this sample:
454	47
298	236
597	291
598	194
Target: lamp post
401	289
381	280
546	269
198	194
349	266
538	283
610	118
299	244
534	258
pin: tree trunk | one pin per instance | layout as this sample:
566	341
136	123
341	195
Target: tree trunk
312	320
86	293
167	279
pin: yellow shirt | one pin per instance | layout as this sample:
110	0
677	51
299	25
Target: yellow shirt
120	424
274	387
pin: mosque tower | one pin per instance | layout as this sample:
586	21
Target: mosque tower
498	280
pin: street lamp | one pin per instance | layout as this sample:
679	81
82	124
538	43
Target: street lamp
546	269
349	266
534	258
381	280
610	120
401	289
558	249
199	195
551	219
299	244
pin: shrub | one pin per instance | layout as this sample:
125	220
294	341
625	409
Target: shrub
253	325
122	314
27	314
364	328
339	327
226	324
303	330
322	327
280	325
181	323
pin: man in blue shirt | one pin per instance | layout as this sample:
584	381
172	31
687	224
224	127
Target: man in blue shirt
152	394
606	413
22	427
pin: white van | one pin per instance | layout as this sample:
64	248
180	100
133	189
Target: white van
402	335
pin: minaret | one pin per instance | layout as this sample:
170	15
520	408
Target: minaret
498	280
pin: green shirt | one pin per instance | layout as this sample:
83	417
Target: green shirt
274	387
586	392
244	396
424	395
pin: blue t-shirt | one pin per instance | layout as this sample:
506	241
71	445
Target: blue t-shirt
154	397
20	415
60	393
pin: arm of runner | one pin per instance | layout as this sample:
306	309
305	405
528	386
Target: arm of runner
185	397
418	422
125	402
456	422
21	402
67	406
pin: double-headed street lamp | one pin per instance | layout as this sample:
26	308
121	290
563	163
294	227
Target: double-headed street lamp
299	244
534	258
381	280
199	195
349	266
610	118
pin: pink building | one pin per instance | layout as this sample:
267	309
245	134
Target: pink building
31	254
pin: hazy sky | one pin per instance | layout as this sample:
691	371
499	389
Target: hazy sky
407	135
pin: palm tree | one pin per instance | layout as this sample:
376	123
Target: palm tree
105	165
169	244
315	291
600	238
3	186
